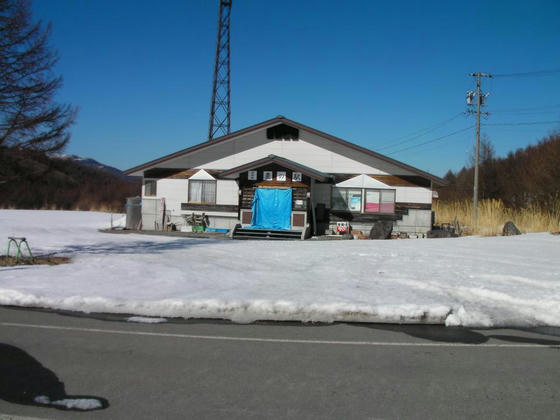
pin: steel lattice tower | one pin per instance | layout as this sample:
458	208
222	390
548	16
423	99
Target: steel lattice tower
220	111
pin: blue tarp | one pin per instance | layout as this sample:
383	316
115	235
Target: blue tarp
272	208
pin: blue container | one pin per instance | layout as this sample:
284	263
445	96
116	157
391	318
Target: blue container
209	229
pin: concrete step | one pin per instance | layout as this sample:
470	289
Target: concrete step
270	234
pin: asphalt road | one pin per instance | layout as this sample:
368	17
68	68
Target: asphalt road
213	370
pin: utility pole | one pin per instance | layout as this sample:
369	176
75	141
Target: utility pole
220	110
480	97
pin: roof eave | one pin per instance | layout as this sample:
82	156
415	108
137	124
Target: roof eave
435	179
196	147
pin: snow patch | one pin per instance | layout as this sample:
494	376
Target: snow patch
146	320
118	221
71	403
463	318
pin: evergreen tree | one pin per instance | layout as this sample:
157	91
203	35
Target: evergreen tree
30	119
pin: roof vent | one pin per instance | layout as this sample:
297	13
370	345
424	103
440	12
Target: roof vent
282	132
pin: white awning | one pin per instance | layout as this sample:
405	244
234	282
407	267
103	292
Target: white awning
363	181
202	175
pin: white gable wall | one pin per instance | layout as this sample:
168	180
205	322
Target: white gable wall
301	152
311	150
347	160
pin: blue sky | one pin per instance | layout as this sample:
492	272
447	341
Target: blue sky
374	73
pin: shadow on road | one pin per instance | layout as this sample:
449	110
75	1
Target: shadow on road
23	380
525	340
434	333
440	333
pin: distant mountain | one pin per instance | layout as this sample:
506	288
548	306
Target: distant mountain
32	180
92	163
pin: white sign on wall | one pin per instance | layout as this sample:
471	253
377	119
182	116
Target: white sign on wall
267	175
252	175
296	176
280	176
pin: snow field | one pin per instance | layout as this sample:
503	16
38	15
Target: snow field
471	281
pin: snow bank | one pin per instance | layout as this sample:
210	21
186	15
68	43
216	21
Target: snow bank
472	281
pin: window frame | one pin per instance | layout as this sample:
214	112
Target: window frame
347	201
152	182
363	199
203	181
380	190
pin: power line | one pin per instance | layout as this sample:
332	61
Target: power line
526	123
529	73
536	108
433	140
516	113
422	133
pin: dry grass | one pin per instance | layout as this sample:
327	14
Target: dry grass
102	208
11	261
492	215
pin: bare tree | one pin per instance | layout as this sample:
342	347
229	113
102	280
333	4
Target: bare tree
487	151
30	119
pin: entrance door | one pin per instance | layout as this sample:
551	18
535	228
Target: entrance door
272	208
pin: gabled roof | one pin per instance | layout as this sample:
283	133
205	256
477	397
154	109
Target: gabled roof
286	163
362	181
283	120
202	175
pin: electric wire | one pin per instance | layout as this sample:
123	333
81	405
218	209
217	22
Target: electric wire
468	128
422	133
516	113
536	108
526	123
529	73
432	140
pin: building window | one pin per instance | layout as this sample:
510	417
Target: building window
202	192
375	201
347	199
150	187
299	198
380	201
267	175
